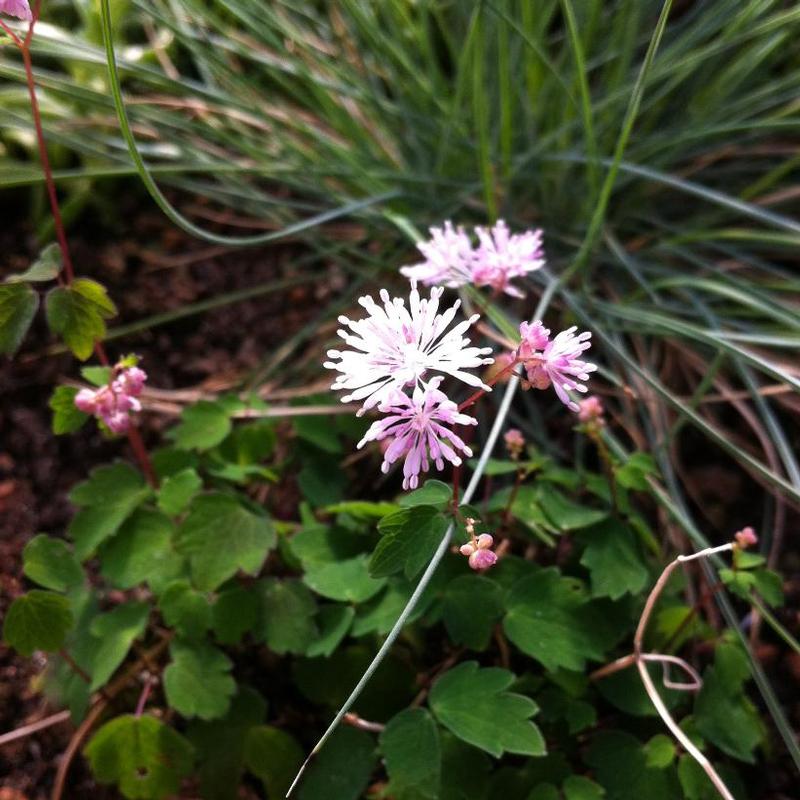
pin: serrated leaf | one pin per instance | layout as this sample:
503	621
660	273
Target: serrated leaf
185	609
177	490
38	621
723	713
108	498
144	757
318	431
342	769
197	681
220	745
234	613
203	425
288	611
67	417
45	268
613	560
621	769
565	514
220	536
18	304
78	312
334	623
576	787
548	617
472	702
409	538
50	563
274	757
97	376
472	606
114	633
411	748
431	493
347	580
142	552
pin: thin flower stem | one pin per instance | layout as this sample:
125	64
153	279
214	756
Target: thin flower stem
140	451
363	724
13	36
475	396
641	659
34	727
149	682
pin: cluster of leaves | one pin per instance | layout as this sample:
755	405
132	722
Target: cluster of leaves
256	629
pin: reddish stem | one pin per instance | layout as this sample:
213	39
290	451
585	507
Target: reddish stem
143	697
475	396
140	451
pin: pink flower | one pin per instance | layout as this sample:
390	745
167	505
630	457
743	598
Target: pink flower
16	8
479	551
395	346
558	363
746	538
591	410
417	426
448	258
515	443
502	256
113	404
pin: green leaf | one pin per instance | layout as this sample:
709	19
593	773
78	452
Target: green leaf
78	312
185	609
723	713
234	613
108	498
220	536
550	619
67	418
659	752
576	787
334	623
318	431
347	580
18	304
144	757
621	769
177	490
472	606
115	632
565	514
472	703
431	493
633	474
220	745
97	376
273	756
45	268
197	682
38	621
409	538
342	769
50	563
624	690
613	559
465	770
362	509
141	552
289	608
203	425
410	745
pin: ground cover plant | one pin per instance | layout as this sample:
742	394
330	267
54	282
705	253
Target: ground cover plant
562	243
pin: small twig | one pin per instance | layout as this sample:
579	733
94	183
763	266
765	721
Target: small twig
641	659
33	727
362	724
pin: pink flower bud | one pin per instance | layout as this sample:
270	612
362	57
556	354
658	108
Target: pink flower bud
86	401
482	559
746	538
485	541
591	410
466	549
515	443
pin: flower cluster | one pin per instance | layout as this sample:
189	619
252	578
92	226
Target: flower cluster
16	8
555	362
394	348
113	403
499	257
592	412
479	549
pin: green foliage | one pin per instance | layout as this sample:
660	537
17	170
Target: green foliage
50	563
613	560
472	606
287	623
213	557
144	757
45	268
37	621
472	702
274	756
18	304
197	681
185	609
408	540
177	490
203	425
410	745
114	633
78	312
67	418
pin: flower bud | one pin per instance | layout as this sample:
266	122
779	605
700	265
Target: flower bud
467	549
482	559
746	538
485	541
591	410
515	443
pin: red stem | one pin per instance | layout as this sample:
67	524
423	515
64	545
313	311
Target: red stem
140	451
148	687
475	396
